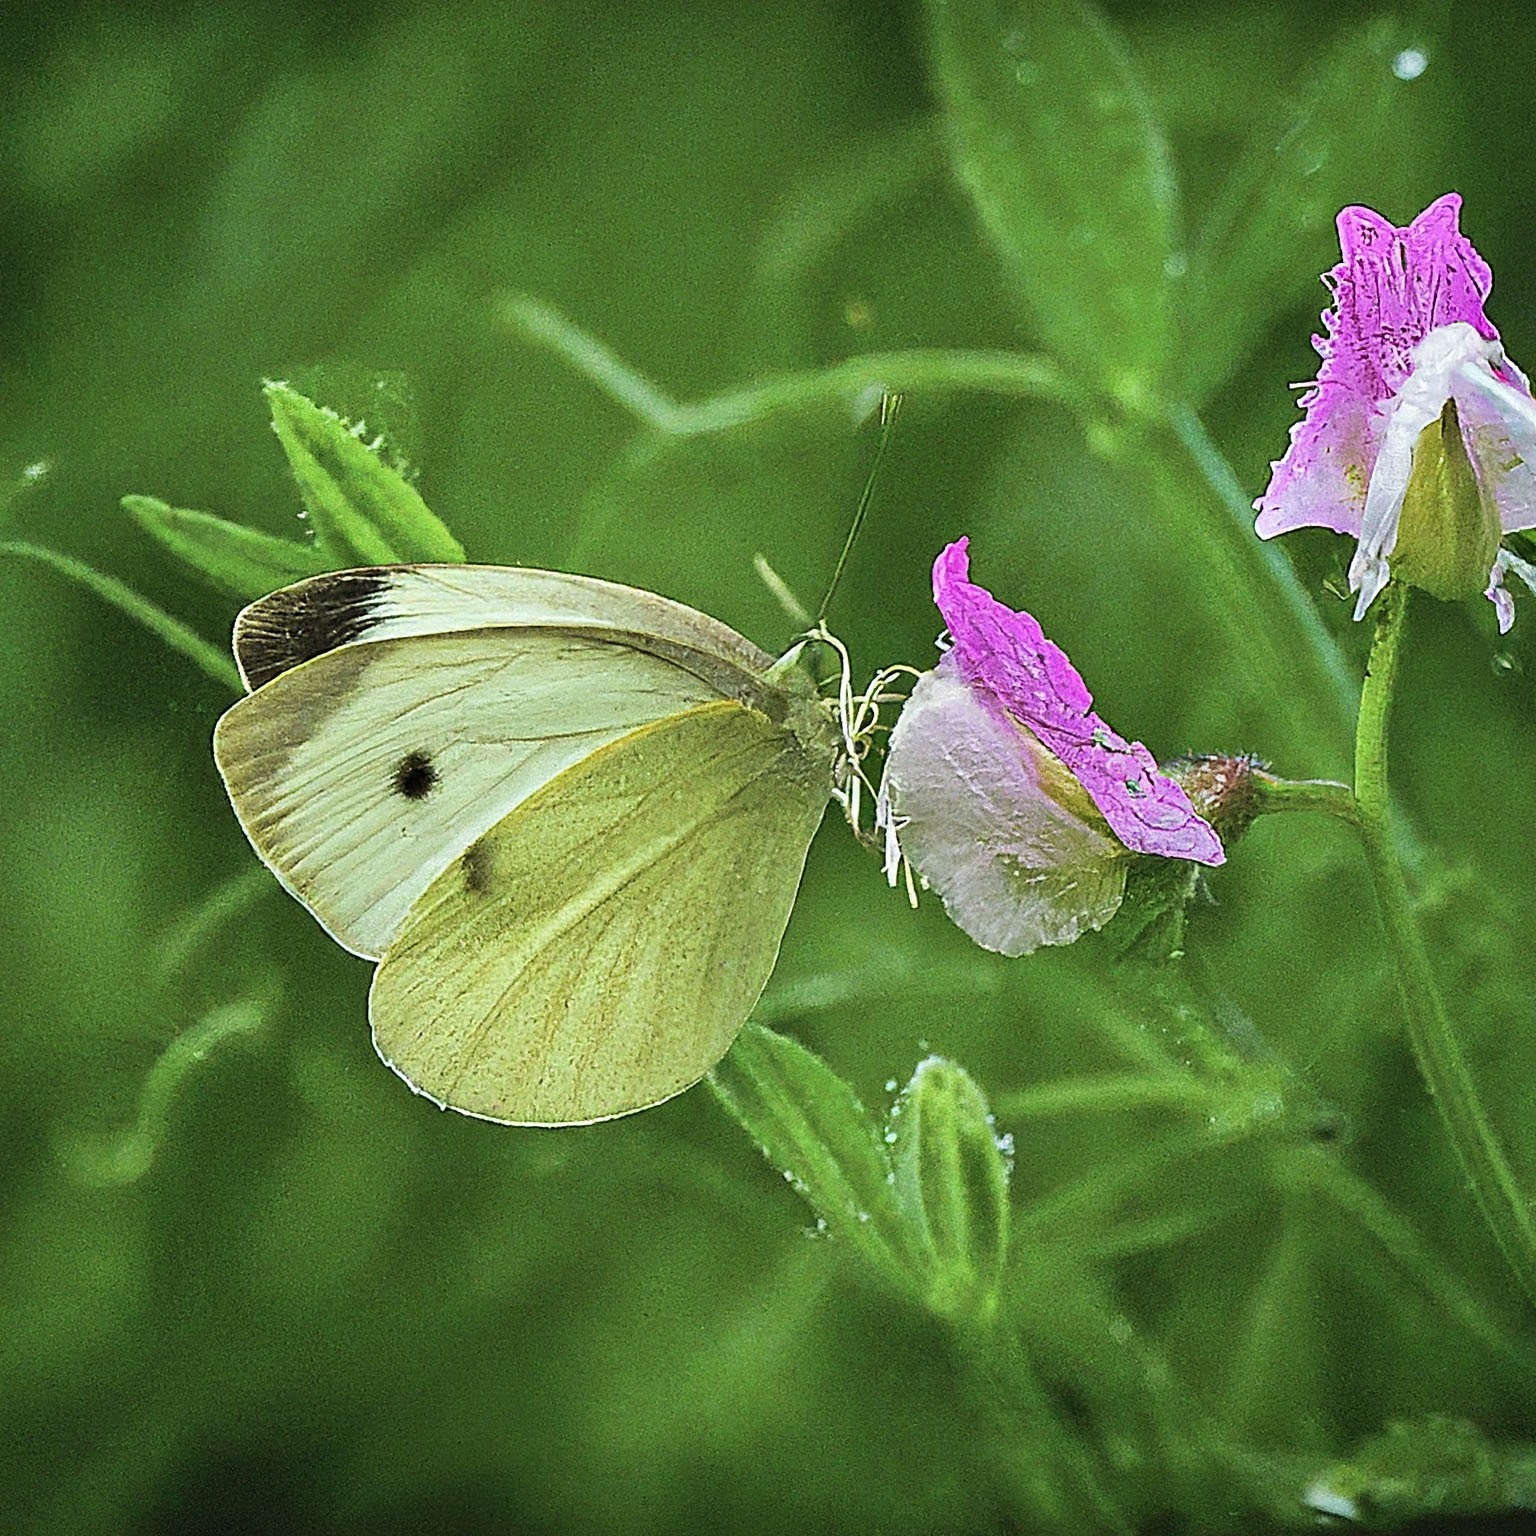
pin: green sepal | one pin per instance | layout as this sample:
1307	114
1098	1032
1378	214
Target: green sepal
1448	533
811	1126
363	511
1150	923
243	561
952	1180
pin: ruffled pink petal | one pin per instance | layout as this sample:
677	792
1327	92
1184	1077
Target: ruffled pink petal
1391	289
1025	679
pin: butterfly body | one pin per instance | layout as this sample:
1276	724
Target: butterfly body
568	818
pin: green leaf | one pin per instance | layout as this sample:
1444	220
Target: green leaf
1432	1466
243	561
1271	229
363	512
813	1129
214	661
1053	136
953	1180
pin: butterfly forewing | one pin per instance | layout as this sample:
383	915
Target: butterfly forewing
392	602
361	774
599	948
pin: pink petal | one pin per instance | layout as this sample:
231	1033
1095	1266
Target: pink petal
1391	289
1025	680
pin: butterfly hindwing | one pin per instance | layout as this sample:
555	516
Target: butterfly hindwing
598	949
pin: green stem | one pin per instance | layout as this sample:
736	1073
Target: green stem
1104	1094
1435	1046
1271	794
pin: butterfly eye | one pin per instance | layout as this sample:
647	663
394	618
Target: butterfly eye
416	776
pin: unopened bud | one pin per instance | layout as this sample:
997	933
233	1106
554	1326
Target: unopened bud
1221	789
1448	534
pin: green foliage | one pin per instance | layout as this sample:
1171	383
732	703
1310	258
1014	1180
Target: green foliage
1054	137
243	561
1234	1278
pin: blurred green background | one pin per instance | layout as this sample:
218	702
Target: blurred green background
326	1305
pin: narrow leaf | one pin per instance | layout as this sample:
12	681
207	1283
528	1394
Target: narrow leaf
125	1156
363	512
1270	231
1435	1466
813	1129
1053	137
213	660
952	1178
243	561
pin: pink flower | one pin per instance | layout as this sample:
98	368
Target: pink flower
1419	435
1006	791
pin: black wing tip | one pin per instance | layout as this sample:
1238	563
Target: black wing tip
300	622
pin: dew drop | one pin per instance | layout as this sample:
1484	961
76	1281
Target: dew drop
1410	64
1506	664
890	1085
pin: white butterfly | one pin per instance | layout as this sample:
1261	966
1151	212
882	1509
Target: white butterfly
568	818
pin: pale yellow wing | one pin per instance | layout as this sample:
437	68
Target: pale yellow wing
361	774
597	951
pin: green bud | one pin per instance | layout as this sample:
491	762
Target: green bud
363	511
1448	534
952	1180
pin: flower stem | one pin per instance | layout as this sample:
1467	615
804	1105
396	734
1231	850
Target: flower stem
1272	793
1435	1047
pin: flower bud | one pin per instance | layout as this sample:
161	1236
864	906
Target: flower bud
952	1180
1448	534
1221	789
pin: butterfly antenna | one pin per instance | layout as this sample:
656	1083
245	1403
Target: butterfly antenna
890	407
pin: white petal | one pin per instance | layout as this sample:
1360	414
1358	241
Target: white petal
1014	869
1500	424
1504	605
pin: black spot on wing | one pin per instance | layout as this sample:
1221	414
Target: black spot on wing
307	620
476	864
416	776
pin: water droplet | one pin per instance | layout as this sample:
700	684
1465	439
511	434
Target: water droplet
890	1138
1026	73
1015	40
890	1085
1120	1330
1506	664
1175	264
35	472
1410	64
